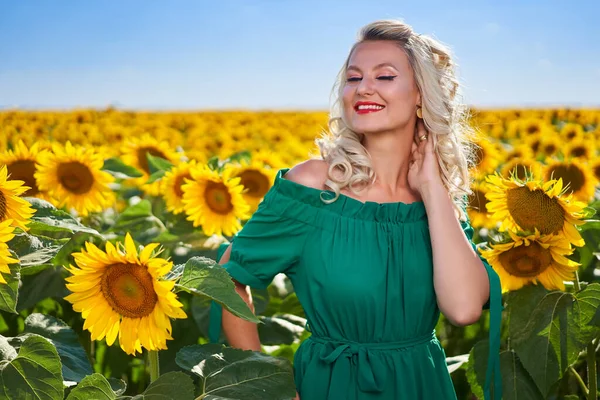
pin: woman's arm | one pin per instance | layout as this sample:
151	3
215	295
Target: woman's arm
460	278
240	333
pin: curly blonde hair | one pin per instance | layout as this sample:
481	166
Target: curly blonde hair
444	116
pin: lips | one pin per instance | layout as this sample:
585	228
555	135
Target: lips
365	107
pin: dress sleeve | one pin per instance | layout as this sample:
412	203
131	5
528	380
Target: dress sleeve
493	376
270	243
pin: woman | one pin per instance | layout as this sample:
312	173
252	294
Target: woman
374	235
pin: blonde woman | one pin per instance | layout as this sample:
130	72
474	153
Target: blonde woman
373	234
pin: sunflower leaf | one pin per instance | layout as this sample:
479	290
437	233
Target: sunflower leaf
35	372
9	291
204	277
52	222
94	386
278	329
550	329
156	164
172	385
228	373
155	176
117	168
75	364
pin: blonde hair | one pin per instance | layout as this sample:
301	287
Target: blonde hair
445	118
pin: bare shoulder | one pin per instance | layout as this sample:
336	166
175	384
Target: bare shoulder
311	173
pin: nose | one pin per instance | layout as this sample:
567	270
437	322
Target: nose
365	87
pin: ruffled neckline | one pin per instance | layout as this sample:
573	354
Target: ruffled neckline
347	206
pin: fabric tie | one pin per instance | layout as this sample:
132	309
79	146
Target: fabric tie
371	371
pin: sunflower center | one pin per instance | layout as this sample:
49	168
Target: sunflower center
217	198
129	290
179	182
596	171
478	201
570	175
256	183
534	209
526	261
578	151
143	159
3	206
550	149
75	177
24	170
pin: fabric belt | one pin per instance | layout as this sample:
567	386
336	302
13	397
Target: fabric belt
371	371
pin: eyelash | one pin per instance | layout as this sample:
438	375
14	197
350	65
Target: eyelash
385	78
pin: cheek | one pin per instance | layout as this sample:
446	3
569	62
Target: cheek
347	95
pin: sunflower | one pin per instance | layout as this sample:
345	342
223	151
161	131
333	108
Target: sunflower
120	292
595	167
20	162
268	158
6	234
580	148
486	158
13	207
74	177
532	259
256	179
135	154
550	145
534	205
476	208
215	201
576	176
571	131
171	186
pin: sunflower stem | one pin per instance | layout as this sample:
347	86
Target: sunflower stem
153	362
592	374
576	282
579	380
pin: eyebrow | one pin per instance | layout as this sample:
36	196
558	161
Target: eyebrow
384	64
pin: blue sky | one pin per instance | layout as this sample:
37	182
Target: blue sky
281	54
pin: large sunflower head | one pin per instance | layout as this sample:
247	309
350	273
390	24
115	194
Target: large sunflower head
21	163
12	206
572	131
74	177
120	292
6	234
256	179
533	205
532	259
215	201
135	153
576	176
172	184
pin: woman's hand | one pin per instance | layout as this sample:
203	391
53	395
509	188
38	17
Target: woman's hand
297	396
424	168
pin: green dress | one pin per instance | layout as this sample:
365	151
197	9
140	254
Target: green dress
363	273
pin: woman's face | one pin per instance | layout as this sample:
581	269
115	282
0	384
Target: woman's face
380	93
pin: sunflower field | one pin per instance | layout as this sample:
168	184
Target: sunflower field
111	223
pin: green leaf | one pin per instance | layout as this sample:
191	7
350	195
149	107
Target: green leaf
229	373
48	283
456	362
52	222
156	176
549	337
75	364
120	170
94	387
172	385
277	330
139	220
204	277
156	163
477	366
9	291
33	251
34	373
516	382
64	257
